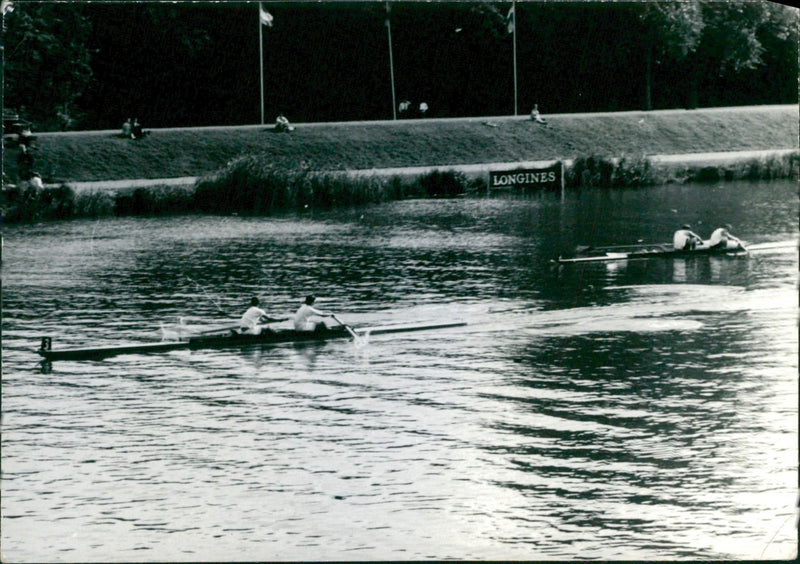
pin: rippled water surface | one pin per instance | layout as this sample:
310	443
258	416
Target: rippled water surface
630	410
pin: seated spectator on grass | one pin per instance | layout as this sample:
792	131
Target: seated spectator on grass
536	116
282	124
25	137
136	130
404	107
36	181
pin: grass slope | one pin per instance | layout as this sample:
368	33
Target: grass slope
87	156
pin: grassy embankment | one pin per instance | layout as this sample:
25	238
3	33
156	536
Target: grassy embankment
252	169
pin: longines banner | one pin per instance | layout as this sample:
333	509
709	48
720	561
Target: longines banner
550	178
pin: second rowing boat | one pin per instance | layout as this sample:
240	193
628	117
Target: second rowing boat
626	252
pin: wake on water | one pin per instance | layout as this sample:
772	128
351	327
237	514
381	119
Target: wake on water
649	308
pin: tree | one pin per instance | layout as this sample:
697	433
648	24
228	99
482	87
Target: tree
735	36
672	30
47	62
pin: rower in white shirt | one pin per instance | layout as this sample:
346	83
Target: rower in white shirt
685	239
722	239
302	319
253	319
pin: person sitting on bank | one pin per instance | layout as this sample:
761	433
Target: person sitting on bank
685	239
136	130
302	319
722	239
126	128
282	124
25	138
254	317
536	116
404	108
36	181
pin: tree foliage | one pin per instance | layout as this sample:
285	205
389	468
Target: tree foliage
47	61
737	31
674	27
197	63
737	38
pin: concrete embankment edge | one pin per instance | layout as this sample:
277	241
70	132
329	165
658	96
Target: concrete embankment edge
473	170
692	159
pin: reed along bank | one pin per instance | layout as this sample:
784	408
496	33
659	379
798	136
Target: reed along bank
255	170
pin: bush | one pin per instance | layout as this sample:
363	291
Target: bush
57	203
478	186
589	172
632	173
768	168
707	174
250	185
446	184
93	204
27	203
156	200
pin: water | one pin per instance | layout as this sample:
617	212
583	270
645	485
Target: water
631	410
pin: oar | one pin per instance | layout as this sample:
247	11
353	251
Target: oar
215	302
226	328
223	329
349	329
745	249
741	245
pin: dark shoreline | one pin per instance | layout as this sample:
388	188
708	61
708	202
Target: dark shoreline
249	186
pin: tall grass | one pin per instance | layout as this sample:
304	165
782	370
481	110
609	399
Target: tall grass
251	185
28	203
255	186
598	172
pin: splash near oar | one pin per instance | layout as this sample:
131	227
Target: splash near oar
358	340
774	246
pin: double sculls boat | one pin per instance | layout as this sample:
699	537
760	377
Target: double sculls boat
628	252
267	336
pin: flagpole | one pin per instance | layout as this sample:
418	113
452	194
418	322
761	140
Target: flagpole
261	59
391	60
514	16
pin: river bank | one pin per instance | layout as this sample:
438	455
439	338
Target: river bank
679	165
251	186
66	157
252	169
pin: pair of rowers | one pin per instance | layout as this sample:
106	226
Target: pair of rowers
255	318
686	240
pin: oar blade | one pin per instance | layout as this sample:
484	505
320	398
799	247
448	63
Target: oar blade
348	328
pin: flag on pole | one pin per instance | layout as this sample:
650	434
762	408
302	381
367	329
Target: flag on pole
266	17
510	19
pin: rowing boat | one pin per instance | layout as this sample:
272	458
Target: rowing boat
628	252
267	337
